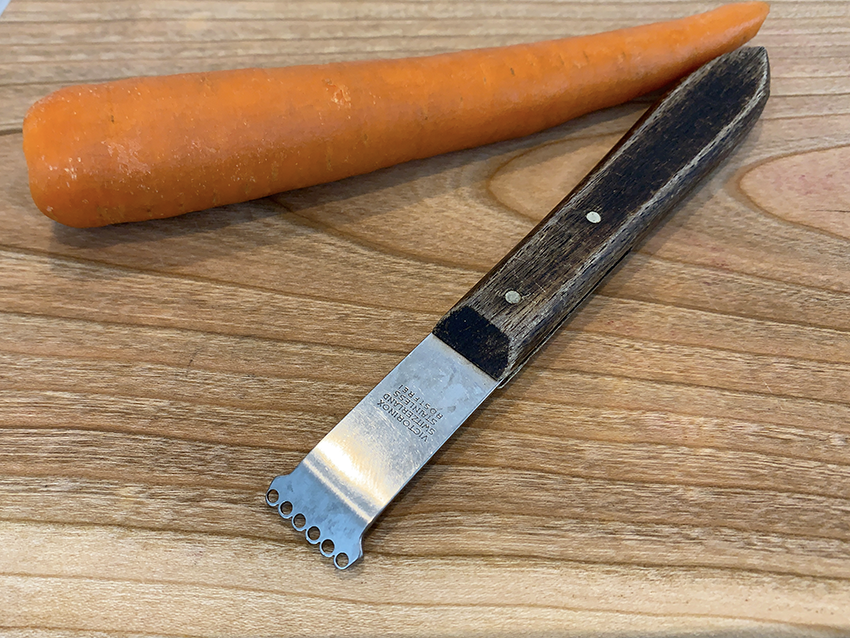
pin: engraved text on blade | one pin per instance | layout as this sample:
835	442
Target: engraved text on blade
411	410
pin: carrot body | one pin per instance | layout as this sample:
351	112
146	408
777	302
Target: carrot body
154	147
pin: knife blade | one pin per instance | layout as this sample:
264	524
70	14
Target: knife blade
352	474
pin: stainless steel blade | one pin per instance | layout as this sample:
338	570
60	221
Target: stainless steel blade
353	473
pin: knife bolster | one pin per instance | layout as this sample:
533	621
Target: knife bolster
470	334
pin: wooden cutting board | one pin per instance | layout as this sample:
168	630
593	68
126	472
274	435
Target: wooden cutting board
675	462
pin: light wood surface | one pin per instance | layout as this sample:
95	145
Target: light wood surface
674	462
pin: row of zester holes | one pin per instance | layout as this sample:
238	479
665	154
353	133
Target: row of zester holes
313	534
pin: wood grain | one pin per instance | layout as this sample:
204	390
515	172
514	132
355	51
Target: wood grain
668	151
674	462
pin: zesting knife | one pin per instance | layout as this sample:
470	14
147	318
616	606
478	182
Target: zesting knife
352	474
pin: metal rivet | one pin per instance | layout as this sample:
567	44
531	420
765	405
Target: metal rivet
593	217
512	296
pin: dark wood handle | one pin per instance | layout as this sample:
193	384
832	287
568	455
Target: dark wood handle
526	296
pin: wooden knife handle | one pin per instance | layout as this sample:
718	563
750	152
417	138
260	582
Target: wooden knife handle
516	307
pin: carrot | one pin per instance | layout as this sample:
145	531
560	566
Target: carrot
154	147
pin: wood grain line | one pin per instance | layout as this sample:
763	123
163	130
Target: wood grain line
378	604
744	196
111	267
578	371
607	376
838	502
10	348
286	533
650	254
188	331
356	240
625	429
482	557
514	557
188	278
710	311
539	441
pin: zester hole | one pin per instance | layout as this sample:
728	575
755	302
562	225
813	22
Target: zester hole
272	496
328	546
286	508
313	533
341	560
299	521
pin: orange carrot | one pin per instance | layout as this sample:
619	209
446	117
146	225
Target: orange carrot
153	147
